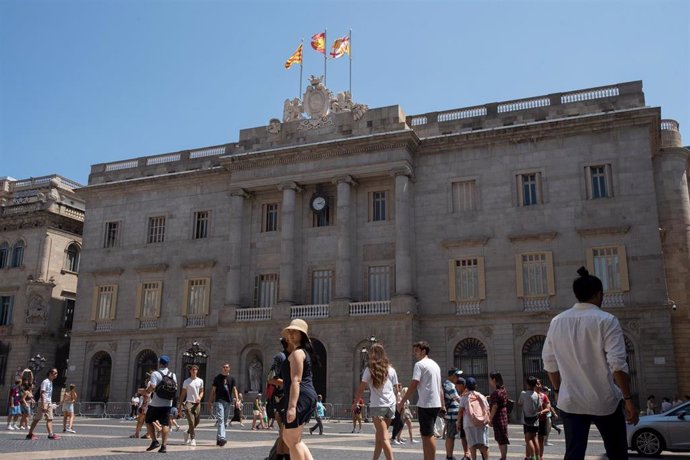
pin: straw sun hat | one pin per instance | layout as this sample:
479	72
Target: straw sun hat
298	325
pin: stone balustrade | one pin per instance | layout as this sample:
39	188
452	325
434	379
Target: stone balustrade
536	304
253	314
196	321
468	308
151	323
376	307
103	325
309	311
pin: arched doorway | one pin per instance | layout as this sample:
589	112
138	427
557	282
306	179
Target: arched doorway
146	361
320	369
470	356
101	368
532	364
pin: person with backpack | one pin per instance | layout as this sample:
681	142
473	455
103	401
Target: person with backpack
163	389
474	411
531	404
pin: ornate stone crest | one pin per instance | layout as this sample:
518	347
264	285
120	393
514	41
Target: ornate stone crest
317	98
37	313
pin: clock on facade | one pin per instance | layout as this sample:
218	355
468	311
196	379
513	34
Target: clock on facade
318	203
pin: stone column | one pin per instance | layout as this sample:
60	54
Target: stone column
286	288
343	264
232	279
44	260
403	232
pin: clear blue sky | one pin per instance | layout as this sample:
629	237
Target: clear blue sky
93	81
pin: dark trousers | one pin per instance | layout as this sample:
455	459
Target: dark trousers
611	427
398	425
318	425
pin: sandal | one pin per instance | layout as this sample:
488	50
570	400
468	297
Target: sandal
133	435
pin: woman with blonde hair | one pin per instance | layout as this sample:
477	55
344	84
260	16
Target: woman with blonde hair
299	401
382	381
68	401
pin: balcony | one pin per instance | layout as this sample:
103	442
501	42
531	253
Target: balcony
149	323
465	308
196	321
103	325
253	314
536	304
309	311
375	307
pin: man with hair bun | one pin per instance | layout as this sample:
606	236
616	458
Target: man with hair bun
584	355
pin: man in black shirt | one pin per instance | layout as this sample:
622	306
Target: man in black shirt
223	393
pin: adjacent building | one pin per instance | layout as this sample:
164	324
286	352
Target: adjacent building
462	227
41	221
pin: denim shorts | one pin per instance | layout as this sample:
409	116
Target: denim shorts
385	412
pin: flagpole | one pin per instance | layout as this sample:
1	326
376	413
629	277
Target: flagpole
350	56
325	55
299	92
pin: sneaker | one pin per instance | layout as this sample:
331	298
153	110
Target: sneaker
396	442
163	449
192	443
53	437
71	430
177	428
222	442
10	427
31	436
548	444
154	445
415	441
186	437
64	430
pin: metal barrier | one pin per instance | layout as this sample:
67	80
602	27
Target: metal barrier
118	409
91	409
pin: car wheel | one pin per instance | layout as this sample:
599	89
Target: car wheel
648	442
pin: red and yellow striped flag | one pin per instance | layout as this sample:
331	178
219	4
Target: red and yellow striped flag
340	47
318	42
296	58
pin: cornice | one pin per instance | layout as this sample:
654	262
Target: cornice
93	189
149	268
197	264
471	242
114	271
596	231
542	236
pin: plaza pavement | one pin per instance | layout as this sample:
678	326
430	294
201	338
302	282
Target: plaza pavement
99	438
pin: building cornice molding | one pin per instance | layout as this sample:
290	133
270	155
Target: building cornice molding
102	272
541	236
198	264
596	231
471	242
151	268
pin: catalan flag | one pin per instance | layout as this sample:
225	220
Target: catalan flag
318	42
296	58
340	47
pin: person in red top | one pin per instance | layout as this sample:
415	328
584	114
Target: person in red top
544	418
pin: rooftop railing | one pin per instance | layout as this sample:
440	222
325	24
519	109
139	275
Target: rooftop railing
42	182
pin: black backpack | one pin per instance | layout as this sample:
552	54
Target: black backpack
167	387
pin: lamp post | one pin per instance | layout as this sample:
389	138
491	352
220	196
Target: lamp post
195	355
364	353
36	363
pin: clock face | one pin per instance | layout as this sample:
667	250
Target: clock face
318	203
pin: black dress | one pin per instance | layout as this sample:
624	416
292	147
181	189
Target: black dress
306	403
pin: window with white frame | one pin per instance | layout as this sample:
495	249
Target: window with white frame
156	230
464	195
149	299
6	305
534	273
599	181
379	282
106	302
201	223
266	290
111	238
378	205
72	258
270	213
466	279
197	297
529	189
18	254
609	264
321	286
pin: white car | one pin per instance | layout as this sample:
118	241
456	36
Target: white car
656	433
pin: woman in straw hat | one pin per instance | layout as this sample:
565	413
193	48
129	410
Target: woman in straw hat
300	400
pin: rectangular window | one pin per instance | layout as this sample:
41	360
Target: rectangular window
378	206
150	299
112	234
534	272
156	233
270	217
266	290
106	298
464	196
529	189
68	314
379	283
599	181
609	264
197	296
6	304
201	222
467	279
321	286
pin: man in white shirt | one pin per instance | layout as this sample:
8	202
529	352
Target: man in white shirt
191	396
44	407
584	354
158	411
426	380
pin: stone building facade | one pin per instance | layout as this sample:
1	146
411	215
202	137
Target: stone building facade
41	222
464	228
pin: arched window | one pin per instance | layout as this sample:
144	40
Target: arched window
532	364
72	258
470	356
18	254
146	361
101	368
4	254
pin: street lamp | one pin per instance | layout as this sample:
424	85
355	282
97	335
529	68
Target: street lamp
364	353
36	363
195	354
